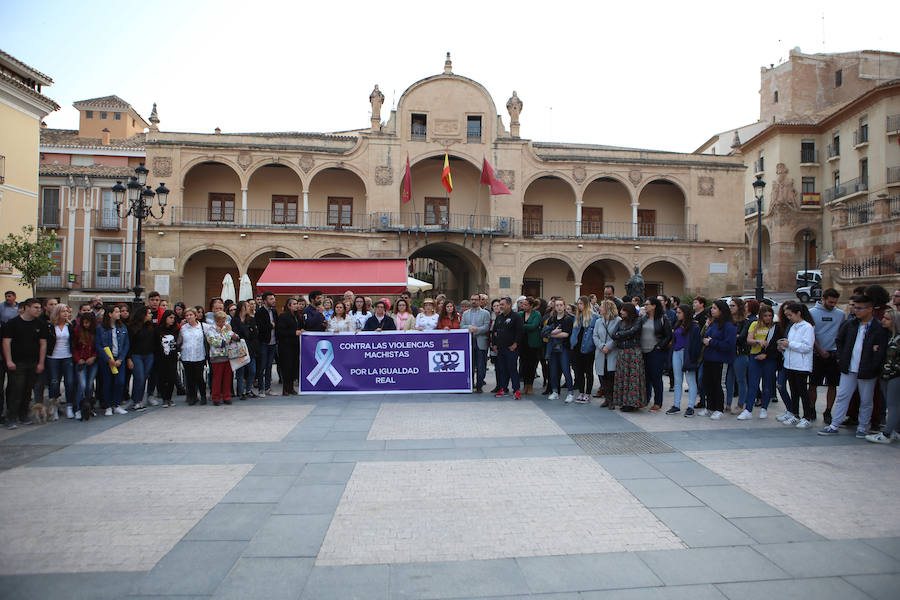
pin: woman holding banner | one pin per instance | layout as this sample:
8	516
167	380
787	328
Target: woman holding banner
427	319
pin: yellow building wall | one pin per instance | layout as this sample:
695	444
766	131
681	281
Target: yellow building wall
19	144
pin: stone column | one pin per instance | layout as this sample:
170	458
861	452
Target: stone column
72	205
831	268
244	206
578	204
882	208
86	258
306	208
577	292
634	219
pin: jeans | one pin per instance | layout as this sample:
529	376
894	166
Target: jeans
559	361
507	368
781	385
760	370
680	375
85	375
890	391
584	371
480	358
18	391
61	370
737	372
264	367
143	364
113	385
848	385
798	382
654	363
245	377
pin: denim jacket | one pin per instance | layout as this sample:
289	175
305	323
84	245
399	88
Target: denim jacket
104	339
587	340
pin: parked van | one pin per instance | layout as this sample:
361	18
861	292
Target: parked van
813	276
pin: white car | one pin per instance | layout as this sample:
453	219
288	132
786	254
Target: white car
773	303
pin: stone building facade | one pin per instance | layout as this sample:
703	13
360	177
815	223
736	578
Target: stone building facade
579	216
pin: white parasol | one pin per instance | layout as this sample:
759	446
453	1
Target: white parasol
417	285
228	288
246	288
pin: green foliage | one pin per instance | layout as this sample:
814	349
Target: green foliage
33	259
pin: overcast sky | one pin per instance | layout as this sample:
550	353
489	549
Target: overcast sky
660	75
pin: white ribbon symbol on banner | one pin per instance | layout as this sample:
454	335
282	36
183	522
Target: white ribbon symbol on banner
324	357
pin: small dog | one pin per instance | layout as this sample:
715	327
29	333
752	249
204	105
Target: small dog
87	409
39	413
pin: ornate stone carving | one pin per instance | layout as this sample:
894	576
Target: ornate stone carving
445	142
634	176
514	107
446	127
783	193
244	159
384	175
162	166
508	177
706	186
579	173
376	99
307	163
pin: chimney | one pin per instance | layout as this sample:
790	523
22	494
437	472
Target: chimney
105	139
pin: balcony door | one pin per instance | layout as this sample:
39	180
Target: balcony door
109	216
108	265
221	207
340	212
284	209
591	220
646	222
437	212
532	221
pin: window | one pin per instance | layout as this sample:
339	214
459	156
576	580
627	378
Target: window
863	135
808	151
646	222
591	220
108	265
221	207
284	209
473	128
863	173
532	220
340	212
836	145
776	96
102	116
808	185
437	212
838	78
88	114
132	122
50	207
837	179
118	116
109	217
419	126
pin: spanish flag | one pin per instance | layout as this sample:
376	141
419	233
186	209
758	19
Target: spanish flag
446	181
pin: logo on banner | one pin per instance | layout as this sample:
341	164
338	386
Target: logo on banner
446	362
324	357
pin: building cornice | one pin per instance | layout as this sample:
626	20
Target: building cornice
23	98
94	150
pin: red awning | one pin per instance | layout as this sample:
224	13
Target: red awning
334	275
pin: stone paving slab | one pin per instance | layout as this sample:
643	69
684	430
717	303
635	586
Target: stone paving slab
238	423
825	588
679	592
701	526
484	509
821	487
421	420
463	579
880	587
269	578
65	518
711	565
829	558
586	572
363	582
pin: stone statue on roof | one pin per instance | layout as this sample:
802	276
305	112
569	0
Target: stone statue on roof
635	284
514	106
376	98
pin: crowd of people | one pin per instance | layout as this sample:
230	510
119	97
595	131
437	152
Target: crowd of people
728	352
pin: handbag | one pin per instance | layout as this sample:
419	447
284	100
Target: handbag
238	349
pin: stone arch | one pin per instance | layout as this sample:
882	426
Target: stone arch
664	275
492	108
667	178
186	255
604	270
465	271
338	181
268	180
440	154
626	183
347	166
662	208
605	198
283	162
675	261
801	247
202	271
287	252
548	173
199	160
335	253
556	255
549	207
549	274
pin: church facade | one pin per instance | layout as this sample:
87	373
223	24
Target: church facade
579	216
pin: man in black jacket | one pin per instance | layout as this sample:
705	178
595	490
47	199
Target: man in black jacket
380	321
508	330
287	331
265	325
861	347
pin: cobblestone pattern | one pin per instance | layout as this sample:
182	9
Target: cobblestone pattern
482	509
424	420
71	520
839	492
236	423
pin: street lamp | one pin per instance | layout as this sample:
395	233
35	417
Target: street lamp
140	205
806	237
759	187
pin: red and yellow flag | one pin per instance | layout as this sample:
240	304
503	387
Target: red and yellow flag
406	186
446	181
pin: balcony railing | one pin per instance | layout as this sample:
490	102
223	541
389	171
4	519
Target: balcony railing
419	132
2	168
261	218
861	212
107	218
893	123
50	282
759	166
834	150
611	230
809	155
103	281
49	220
893	175
894	207
860	184
870	266
453	222
749	209
861	136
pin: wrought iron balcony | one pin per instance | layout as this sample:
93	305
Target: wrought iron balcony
608	230
870	266
860	184
50	282
107	218
893	174
190	216
106	281
809	156
452	223
861	136
893	123
834	151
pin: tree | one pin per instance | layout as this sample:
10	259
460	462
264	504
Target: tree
33	259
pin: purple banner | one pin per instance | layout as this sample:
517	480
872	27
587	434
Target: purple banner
386	362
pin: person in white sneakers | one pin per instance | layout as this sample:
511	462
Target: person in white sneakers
890	380
798	359
861	348
763	360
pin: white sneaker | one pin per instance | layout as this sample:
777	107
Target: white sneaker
69	413
745	415
763	413
803	424
108	412
702	412
569	398
553	396
153	401
716	415
879	438
791	421
78	415
780	418
120	411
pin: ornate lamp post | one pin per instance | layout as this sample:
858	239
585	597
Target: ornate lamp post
759	187
140	205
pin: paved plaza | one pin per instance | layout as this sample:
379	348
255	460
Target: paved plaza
443	496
